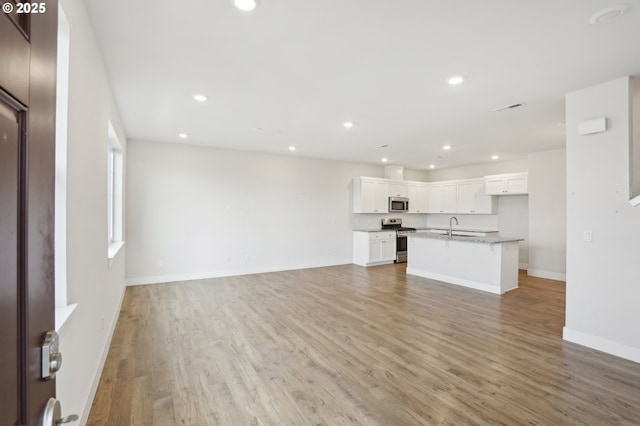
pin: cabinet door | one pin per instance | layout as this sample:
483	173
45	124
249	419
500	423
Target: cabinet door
397	189
373	197
368	196
418	198
494	186
435	199
467	197
388	249
375	251
516	185
484	204
381	195
450	198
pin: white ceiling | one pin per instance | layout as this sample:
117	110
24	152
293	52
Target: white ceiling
292	71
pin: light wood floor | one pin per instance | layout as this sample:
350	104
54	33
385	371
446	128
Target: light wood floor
353	345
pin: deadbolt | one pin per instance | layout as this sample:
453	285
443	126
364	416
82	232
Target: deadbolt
51	356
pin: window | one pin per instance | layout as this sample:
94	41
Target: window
114	194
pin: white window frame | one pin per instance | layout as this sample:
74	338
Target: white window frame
115	237
63	309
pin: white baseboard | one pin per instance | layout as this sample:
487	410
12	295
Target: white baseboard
523	265
158	279
455	280
103	358
599	343
547	274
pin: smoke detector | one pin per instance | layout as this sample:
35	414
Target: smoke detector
609	14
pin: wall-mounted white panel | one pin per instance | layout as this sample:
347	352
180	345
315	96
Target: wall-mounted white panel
589	127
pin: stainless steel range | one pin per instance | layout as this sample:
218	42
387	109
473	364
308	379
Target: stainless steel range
401	237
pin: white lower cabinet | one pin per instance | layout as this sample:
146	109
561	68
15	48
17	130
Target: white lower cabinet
374	248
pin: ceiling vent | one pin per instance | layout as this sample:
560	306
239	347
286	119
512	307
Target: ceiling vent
504	108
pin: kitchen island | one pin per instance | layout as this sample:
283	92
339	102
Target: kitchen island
483	263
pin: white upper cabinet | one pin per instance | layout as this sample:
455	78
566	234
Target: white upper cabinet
418	197
507	184
443	198
398	189
473	200
370	195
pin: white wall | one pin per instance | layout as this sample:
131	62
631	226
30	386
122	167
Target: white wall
513	216
195	212
603	275
547	214
91	282
478	170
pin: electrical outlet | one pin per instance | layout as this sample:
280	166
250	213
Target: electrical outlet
587	236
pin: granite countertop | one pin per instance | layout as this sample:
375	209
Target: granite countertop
463	229
483	240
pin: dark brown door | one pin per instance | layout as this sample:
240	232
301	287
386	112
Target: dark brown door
27	164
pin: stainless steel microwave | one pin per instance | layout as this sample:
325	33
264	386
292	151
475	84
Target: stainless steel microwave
398	204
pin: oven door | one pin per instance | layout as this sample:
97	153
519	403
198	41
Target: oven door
401	248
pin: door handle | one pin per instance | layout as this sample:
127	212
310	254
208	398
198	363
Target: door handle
52	416
51	356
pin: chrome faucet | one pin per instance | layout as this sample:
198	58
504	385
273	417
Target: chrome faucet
451	225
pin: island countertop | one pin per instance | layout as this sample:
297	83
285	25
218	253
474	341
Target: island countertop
470	239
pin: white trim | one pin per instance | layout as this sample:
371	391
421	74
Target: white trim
457	281
114	248
523	265
601	344
105	351
159	279
539	273
63	313
62	124
635	201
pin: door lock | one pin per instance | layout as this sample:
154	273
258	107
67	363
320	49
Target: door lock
51	356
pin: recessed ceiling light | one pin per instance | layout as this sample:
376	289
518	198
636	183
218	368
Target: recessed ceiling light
384	160
292	148
200	98
494	157
245	5
183	135
432	166
455	80
608	14
446	147
347	124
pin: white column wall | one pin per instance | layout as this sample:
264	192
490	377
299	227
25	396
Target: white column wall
94	284
548	214
602	276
